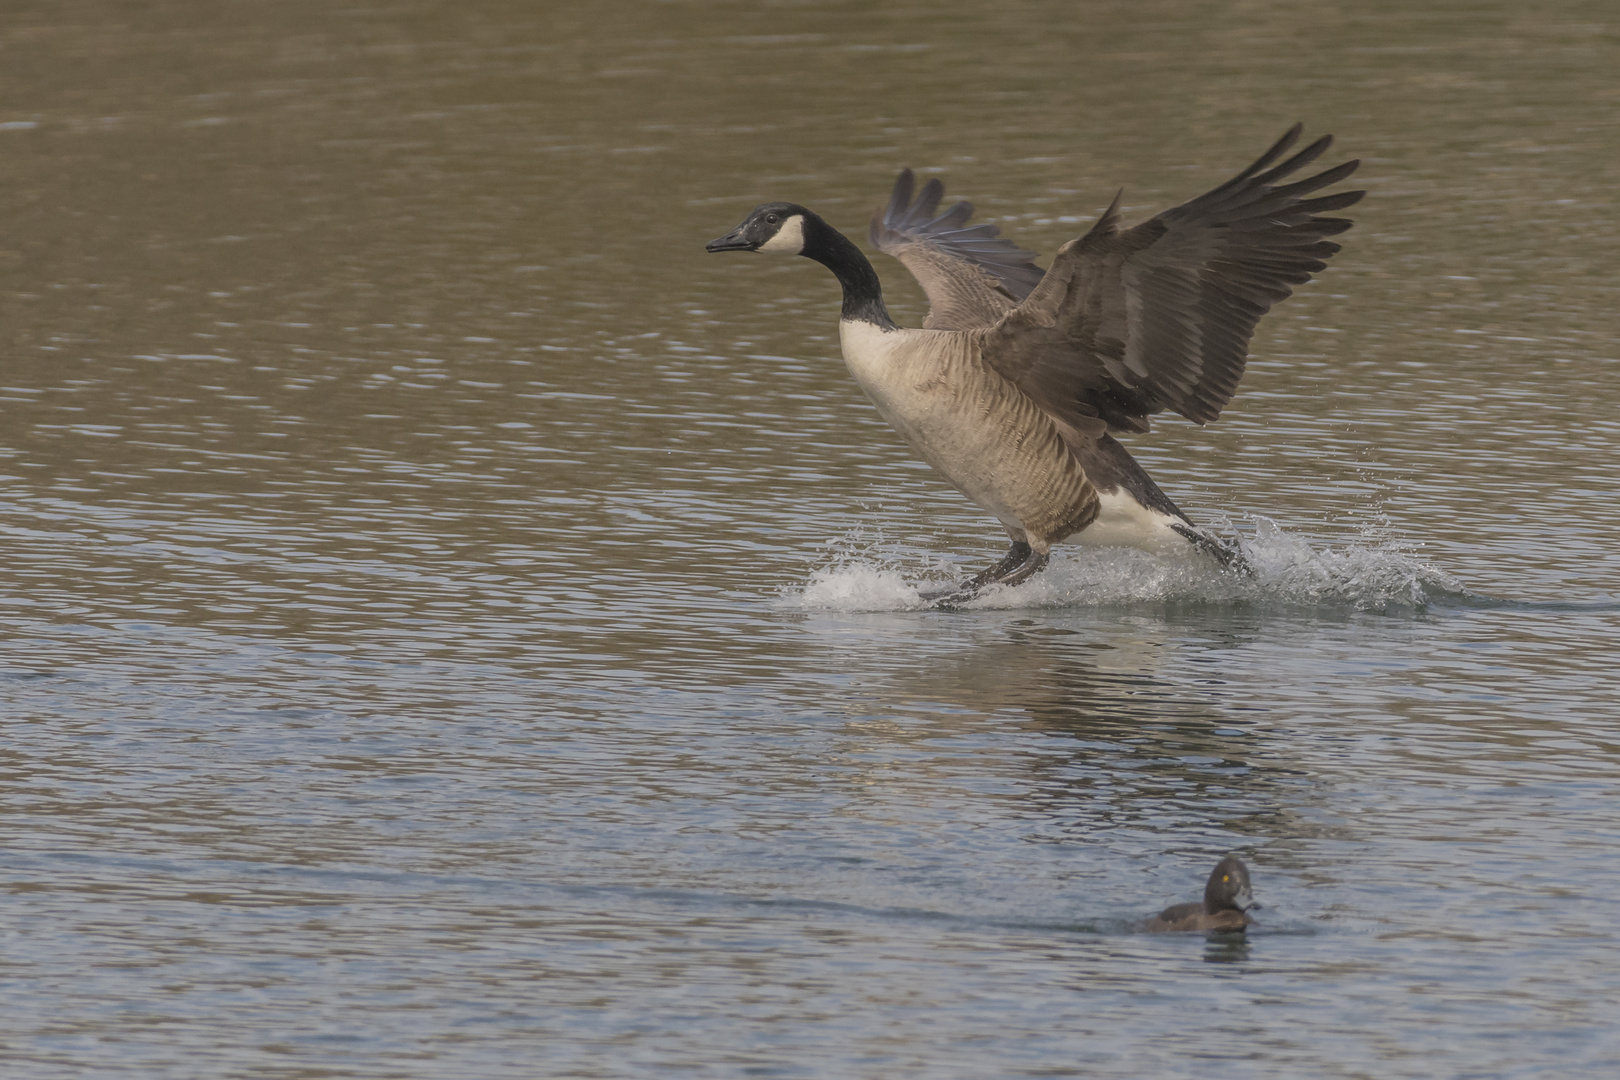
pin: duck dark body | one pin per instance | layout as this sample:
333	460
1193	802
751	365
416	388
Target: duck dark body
1228	898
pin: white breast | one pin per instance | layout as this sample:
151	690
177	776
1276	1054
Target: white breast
925	384
871	353
901	373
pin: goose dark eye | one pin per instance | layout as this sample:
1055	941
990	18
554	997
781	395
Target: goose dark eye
771	219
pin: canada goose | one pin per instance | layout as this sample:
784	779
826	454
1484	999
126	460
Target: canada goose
1227	902
1012	388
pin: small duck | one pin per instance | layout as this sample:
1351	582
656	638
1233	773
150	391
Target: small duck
1227	900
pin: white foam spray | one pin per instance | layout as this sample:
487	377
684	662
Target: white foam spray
1375	573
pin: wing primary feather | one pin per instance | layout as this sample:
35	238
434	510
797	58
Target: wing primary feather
1340	200
1297	162
1288	192
1129	322
889	218
1278	148
954	218
900	201
926	204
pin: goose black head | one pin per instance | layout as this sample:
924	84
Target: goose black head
1228	887
776	227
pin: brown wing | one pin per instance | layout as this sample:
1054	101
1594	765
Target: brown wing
1159	316
972	277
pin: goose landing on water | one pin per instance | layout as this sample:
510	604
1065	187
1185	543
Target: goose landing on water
1019	376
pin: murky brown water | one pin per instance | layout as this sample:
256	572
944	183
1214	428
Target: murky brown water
456	627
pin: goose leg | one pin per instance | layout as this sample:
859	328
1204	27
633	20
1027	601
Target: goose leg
1016	556
1033	564
1021	563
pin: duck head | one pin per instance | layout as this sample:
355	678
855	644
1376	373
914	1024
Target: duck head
1228	887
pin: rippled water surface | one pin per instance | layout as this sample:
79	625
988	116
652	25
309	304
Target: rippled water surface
455	627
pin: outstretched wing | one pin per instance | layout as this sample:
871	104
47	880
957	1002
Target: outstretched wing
1130	322
972	278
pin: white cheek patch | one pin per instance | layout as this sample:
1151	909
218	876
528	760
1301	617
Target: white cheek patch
789	239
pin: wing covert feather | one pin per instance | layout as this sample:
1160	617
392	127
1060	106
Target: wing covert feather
972	277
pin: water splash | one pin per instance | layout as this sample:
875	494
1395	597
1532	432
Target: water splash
1376	573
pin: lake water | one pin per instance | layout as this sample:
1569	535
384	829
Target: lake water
455	627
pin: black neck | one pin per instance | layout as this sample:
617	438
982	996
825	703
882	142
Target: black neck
863	292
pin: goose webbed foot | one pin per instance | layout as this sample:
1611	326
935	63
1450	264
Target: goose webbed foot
1021	563
1227	553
